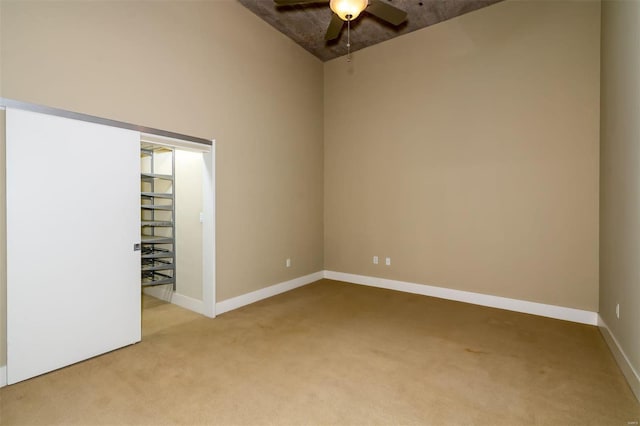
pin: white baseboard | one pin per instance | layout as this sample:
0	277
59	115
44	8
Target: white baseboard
551	311
632	376
3	376
263	293
167	294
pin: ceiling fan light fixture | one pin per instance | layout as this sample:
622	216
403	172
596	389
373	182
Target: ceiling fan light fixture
348	9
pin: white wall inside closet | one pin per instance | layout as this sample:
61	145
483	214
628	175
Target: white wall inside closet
188	225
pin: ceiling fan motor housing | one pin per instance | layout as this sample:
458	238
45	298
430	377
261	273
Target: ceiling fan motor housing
348	10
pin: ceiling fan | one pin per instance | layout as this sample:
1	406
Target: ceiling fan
348	10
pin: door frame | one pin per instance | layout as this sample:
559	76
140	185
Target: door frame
208	306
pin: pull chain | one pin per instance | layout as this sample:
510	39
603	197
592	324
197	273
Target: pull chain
348	38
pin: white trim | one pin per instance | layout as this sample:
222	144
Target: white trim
165	293
3	376
209	231
632	376
174	143
263	293
551	311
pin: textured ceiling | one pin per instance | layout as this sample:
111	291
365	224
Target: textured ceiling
307	24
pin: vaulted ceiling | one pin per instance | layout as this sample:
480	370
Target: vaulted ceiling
306	24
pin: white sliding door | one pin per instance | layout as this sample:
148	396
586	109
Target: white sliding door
73	217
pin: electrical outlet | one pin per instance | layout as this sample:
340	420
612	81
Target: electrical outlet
618	311
387	261
375	260
288	263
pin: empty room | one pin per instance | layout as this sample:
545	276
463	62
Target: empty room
320	212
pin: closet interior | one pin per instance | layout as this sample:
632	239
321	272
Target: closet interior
158	216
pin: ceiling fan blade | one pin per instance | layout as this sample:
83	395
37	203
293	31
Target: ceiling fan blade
386	12
294	2
335	26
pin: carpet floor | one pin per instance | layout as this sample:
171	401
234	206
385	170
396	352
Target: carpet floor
335	353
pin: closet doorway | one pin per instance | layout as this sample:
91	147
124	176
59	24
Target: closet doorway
181	178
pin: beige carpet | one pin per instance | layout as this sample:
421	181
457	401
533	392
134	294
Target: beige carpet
334	353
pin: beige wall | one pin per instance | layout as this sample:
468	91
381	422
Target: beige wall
468	153
620	175
208	69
